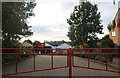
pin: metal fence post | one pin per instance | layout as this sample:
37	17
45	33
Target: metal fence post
106	62
34	61
17	61
68	57
70	63
52	61
88	58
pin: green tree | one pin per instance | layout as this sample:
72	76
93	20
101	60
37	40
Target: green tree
35	43
106	42
111	25
28	41
15	22
85	24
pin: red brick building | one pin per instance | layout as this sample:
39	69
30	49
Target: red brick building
114	31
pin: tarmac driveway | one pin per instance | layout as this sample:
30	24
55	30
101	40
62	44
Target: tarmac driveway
45	62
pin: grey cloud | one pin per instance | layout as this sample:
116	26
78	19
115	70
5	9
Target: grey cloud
107	10
40	29
60	29
69	5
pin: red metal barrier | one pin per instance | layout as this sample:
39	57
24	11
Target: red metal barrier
100	53
33	54
70	63
70	58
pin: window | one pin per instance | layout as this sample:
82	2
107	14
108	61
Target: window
113	33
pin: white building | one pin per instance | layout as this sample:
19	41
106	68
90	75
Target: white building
47	44
63	46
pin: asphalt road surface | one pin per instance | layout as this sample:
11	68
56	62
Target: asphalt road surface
45	62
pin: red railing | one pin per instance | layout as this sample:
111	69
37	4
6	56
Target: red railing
33	55
111	51
71	53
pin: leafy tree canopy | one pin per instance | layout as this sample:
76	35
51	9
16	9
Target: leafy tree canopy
106	42
14	21
36	42
28	41
85	24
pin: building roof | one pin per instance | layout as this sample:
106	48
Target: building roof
47	44
64	45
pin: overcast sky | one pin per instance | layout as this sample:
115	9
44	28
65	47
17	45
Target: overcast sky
50	18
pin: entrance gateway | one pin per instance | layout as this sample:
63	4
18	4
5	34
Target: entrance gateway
100	55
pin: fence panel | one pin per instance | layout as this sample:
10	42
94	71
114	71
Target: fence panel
101	59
